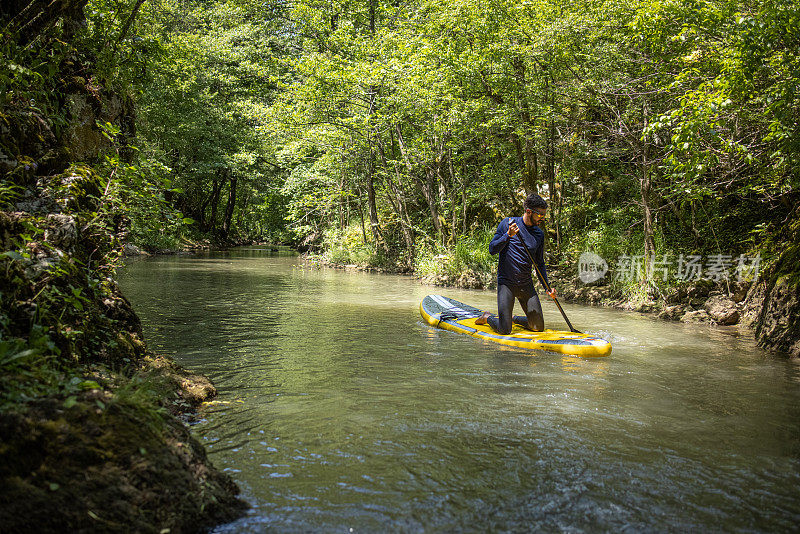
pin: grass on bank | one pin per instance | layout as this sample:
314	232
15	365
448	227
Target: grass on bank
346	247
468	258
470	253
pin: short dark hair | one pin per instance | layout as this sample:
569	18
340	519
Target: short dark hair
534	201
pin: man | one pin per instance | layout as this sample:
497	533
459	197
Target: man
519	241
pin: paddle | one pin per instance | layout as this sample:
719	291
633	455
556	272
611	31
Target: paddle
547	288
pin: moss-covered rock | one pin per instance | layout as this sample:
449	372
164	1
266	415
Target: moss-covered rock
102	465
772	305
191	387
91	438
777	325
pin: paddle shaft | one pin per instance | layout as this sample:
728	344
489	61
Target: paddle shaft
547	288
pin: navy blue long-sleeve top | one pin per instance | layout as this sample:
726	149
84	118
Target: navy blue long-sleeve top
514	264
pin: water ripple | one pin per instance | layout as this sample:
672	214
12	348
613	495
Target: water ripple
339	408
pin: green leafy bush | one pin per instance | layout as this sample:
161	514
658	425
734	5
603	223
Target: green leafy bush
346	246
470	253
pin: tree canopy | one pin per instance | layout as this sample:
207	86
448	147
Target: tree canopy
397	129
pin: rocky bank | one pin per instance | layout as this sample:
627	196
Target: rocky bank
92	431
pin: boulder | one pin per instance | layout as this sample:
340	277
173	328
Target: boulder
676	296
672	313
739	294
701	288
698	316
697	302
62	232
794	350
83	138
132	250
752	304
645	307
722	310
778	325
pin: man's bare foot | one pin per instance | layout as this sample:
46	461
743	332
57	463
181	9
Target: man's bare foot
483	319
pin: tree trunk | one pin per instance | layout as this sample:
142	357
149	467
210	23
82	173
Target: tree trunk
550	162
399	205
693	224
127	25
343	198
226	224
428	185
361	215
40	15
526	153
428	190
531	167
559	210
454	189
520	158
243	207
372	16
649	244
216	189
439	185
373	208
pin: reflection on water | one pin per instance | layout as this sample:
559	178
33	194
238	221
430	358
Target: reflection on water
339	408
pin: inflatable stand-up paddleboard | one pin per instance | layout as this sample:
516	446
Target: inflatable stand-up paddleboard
443	312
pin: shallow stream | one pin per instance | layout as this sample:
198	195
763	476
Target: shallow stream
340	409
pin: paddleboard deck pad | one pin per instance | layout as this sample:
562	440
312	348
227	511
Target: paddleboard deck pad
449	314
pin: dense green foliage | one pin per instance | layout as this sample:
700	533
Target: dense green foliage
386	133
390	132
74	183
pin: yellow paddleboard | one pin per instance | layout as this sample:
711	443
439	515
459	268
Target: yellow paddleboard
444	312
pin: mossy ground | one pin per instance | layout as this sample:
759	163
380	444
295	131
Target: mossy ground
104	464
91	431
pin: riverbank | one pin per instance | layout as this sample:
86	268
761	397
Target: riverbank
113	456
93	425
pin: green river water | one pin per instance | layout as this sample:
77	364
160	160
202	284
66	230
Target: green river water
340	410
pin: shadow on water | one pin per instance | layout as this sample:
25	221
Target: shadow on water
339	408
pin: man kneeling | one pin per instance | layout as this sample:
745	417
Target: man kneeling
519	242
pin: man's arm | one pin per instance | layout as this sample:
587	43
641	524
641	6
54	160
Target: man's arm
500	238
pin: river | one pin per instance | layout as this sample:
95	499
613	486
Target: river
340	410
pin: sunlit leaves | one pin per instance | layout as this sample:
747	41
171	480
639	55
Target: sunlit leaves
481	92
